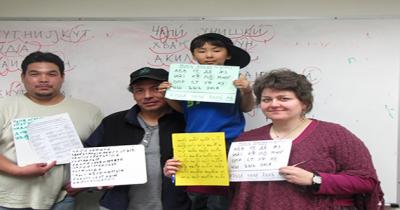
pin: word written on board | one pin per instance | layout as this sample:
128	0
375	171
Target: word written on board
208	83
258	160
170	43
108	166
203	158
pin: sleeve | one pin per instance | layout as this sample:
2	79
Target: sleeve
340	184
355	172
96	138
98	117
2	119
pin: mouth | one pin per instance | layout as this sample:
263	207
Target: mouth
150	103
275	111
43	87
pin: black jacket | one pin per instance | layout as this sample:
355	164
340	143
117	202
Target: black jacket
123	128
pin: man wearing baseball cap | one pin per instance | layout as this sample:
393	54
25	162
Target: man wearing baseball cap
150	122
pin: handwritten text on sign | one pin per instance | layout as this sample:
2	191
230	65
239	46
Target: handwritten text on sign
108	166
258	160
25	154
209	83
203	158
53	138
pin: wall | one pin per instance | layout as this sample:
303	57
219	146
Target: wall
253	9
204	8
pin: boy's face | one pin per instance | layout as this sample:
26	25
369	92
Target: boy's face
211	55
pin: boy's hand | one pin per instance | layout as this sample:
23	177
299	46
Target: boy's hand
164	86
171	167
242	84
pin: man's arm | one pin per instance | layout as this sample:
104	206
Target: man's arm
37	169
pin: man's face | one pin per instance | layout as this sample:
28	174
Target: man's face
42	80
147	96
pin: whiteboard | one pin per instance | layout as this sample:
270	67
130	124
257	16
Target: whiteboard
353	64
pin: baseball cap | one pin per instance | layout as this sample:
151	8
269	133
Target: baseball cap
149	73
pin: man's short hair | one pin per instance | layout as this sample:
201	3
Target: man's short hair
39	56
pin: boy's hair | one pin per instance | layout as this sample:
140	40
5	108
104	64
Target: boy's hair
202	40
39	56
239	57
285	79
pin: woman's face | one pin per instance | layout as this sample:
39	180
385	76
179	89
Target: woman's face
281	105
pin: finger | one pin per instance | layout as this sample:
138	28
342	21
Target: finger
171	168
50	165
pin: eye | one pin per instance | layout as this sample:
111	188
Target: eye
33	73
53	74
137	91
154	88
285	99
266	100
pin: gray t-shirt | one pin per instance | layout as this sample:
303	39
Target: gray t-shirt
148	195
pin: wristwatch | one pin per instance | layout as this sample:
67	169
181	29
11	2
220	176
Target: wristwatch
316	182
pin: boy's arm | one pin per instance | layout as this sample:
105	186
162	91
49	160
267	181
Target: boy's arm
246	94
172	103
246	101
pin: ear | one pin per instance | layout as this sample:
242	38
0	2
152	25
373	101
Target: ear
194	58
228	57
304	108
22	76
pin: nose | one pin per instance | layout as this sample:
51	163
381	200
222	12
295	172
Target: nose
148	93
209	53
274	102
43	78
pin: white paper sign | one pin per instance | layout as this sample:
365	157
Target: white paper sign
108	166
53	138
209	83
258	160
39	140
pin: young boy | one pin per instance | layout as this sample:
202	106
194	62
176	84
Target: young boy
214	49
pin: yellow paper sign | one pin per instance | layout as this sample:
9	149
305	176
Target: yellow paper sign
203	158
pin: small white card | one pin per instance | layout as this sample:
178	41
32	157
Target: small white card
258	160
209	83
108	166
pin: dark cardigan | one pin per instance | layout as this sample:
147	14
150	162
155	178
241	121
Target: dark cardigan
123	128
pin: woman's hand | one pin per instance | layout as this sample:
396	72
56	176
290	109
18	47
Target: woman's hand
296	175
171	167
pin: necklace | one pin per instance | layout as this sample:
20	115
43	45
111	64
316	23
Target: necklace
149	130
288	133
